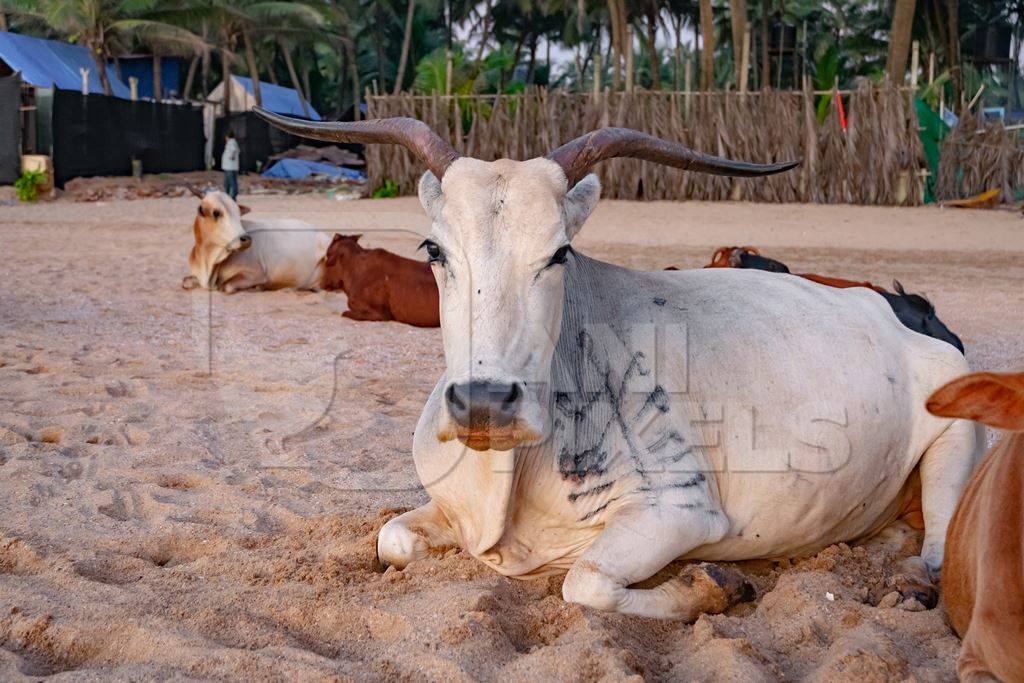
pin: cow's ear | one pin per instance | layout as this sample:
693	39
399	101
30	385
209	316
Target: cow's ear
243	209
996	399
354	238
431	196
580	202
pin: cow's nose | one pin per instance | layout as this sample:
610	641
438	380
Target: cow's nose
479	404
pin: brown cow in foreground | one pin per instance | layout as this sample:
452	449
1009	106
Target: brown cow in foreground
983	570
381	285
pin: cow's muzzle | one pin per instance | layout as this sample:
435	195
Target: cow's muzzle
483	415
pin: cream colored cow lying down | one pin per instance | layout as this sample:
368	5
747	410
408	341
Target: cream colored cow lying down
605	422
231	254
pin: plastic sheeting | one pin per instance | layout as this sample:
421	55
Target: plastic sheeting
275	98
48	63
10	129
99	135
297	169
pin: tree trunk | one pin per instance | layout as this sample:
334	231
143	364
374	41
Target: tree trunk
899	40
738	17
953	56
616	43
3	21
707	55
205	71
225	57
406	42
342	83
350	57
254	72
307	91
101	69
295	79
158	80
486	35
190	79
652	48
531	70
766	66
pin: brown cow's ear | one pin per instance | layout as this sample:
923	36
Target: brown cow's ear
354	238
243	209
996	399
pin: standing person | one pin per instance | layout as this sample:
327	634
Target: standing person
229	164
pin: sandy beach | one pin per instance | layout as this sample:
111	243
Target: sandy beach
191	483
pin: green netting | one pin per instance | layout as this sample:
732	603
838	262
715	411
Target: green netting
932	131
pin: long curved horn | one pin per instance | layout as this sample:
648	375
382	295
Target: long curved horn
412	134
193	190
578	156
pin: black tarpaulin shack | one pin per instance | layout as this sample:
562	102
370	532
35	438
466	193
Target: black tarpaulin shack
100	135
10	129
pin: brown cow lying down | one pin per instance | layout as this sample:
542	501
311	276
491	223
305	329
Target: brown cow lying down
381	285
913	310
983	570
231	254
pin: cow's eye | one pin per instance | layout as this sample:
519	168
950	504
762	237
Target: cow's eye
560	256
216	213
434	253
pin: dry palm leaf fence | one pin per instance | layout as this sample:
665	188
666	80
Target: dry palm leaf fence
874	161
978	156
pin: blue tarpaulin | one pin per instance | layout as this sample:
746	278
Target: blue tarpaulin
278	99
48	64
142	69
296	169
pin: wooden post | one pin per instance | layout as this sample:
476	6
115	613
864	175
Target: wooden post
931	67
133	85
597	73
85	80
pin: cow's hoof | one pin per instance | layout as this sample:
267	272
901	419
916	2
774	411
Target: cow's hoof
398	546
913	582
730	585
190	282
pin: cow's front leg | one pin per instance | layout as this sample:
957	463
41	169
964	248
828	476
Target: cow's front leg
243	280
409	536
635	545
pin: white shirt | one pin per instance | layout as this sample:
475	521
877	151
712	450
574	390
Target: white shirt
229	159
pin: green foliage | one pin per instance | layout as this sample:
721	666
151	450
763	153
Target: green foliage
825	74
27	186
386	191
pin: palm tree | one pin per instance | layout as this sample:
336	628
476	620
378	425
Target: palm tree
707	39
738	17
899	40
107	26
406	41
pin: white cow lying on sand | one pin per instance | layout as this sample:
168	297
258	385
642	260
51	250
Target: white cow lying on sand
232	254
608	421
